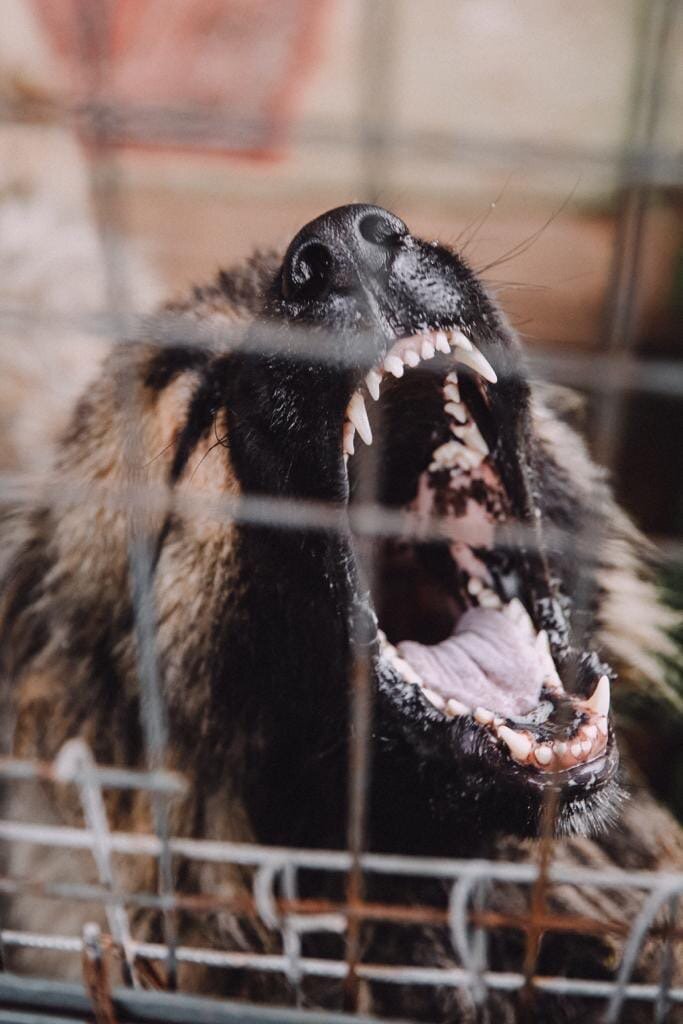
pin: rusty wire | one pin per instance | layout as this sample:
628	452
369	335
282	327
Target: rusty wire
642	167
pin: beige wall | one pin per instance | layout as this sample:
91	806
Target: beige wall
518	96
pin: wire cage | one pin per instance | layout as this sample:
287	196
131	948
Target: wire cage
642	169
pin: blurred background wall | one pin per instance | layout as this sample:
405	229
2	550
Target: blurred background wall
503	127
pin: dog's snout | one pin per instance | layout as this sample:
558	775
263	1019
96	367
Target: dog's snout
340	249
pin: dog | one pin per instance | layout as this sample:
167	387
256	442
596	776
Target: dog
364	367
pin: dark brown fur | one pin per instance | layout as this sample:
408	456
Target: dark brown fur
69	668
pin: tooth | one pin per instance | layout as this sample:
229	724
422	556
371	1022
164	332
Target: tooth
471	435
394	365
373	380
452	378
544	754
602	725
516	611
411	357
407	671
441	342
427	351
468	458
560	748
598	702
543	645
475	585
590	732
483	716
348	432
451	391
454	708
518	744
576	749
476	361
489	599
444	454
586	746
434	698
357	413
459	339
456	409
545	654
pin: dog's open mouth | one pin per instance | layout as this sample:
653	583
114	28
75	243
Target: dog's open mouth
468	623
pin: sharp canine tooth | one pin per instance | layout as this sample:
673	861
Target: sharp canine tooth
373	380
441	342
455	708
602	726
411	357
427	351
476	361
459	339
543	754
598	703
394	365
518	744
348	432
357	413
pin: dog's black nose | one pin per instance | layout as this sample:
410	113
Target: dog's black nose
337	251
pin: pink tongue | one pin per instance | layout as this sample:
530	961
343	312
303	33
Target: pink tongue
488	662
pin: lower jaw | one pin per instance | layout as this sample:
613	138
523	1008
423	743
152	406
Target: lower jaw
559	740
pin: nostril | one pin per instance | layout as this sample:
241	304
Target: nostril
380	229
308	272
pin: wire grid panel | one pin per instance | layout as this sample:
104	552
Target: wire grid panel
276	905
275	902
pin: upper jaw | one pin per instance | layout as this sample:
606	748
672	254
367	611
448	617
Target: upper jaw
409	351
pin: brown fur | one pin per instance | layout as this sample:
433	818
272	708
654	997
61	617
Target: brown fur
110	483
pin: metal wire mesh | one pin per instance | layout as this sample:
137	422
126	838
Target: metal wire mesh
274	900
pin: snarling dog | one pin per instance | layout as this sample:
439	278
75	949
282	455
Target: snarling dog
488	647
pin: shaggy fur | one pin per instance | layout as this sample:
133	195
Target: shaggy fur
240	609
